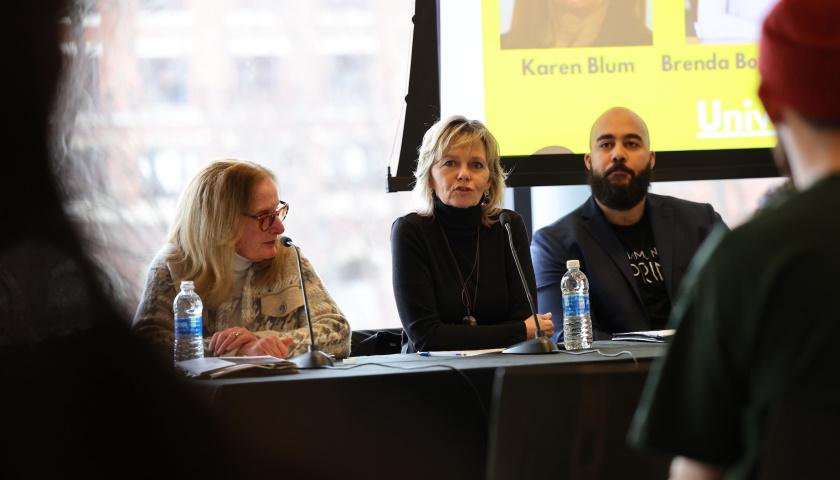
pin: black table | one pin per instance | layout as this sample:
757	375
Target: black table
409	416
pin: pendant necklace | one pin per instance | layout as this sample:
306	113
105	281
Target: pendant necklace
465	296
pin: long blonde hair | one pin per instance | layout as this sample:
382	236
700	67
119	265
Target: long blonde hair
208	223
445	136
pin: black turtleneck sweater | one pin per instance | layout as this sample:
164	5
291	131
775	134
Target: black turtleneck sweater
428	291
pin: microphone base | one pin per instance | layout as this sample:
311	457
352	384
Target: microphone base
312	359
541	344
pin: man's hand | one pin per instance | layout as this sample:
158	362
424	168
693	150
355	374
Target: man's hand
545	325
684	468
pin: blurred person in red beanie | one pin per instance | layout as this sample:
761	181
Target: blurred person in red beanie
747	388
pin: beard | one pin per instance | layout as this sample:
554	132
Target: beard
620	197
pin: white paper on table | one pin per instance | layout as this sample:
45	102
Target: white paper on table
199	366
646	336
459	353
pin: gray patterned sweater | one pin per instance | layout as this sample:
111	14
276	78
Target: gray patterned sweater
275	310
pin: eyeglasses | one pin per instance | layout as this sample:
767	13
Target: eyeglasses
267	220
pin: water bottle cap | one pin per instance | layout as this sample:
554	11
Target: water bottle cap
572	264
187	283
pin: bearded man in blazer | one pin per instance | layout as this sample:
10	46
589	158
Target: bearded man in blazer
633	246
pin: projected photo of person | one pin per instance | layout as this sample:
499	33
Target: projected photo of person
713	22
574	23
552	149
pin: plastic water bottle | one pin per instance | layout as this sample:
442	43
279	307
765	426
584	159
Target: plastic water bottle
189	340
577	323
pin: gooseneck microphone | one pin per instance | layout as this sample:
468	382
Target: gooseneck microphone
313	358
541	343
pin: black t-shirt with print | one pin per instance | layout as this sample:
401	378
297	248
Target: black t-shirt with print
643	257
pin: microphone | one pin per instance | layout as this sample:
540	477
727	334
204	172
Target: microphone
541	343
313	358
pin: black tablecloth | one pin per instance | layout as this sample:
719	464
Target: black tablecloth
393	416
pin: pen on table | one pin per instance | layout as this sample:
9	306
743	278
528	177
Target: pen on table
443	354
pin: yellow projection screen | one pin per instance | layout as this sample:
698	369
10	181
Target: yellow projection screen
539	72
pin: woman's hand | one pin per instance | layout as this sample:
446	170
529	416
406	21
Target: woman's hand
229	339
545	325
270	345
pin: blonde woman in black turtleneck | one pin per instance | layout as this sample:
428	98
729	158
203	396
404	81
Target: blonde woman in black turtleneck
455	279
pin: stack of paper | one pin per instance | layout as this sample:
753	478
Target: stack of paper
649	336
459	353
214	367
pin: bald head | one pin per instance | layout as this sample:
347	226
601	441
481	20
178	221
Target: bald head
618	116
620	161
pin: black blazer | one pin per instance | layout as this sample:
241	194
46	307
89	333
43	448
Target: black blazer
679	227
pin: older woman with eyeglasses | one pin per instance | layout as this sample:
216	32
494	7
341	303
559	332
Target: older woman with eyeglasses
225	238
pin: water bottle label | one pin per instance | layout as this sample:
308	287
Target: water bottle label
575	305
188	327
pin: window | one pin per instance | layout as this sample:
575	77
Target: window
257	79
348	77
268	81
164	172
164	81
